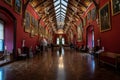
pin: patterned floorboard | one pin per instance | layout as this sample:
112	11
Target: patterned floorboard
58	65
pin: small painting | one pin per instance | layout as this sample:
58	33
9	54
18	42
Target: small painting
18	6
115	4
27	22
9	2
104	14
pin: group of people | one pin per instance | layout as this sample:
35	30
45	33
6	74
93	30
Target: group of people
44	45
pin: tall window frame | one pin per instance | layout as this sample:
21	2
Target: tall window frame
63	41
1	36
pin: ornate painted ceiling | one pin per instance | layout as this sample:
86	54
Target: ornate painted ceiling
60	14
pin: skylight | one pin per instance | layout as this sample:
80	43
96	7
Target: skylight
60	10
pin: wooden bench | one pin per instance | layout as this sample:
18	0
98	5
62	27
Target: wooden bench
110	58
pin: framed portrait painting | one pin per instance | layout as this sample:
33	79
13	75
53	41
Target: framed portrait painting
104	14
18	6
93	13
115	4
9	2
27	22
79	32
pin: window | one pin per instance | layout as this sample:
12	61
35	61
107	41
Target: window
1	35
63	41
58	41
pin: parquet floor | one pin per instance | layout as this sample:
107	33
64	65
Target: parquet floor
67	65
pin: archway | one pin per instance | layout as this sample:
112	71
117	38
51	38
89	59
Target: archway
9	24
90	36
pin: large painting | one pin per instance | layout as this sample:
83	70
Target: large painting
104	14
27	22
115	4
18	6
36	27
9	2
79	32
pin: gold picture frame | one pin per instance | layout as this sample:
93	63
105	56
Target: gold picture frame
115	6
104	14
9	2
18	6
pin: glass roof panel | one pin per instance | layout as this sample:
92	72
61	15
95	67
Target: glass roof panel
60	10
63	11
57	2
63	1
57	11
57	7
63	7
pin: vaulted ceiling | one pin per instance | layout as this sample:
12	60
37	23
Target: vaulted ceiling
60	14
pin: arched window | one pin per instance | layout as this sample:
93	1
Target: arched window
1	36
58	41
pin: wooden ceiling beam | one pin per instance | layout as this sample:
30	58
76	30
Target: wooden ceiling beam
41	3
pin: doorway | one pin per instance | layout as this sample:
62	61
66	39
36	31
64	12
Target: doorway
90	37
7	35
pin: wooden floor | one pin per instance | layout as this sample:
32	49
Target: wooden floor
67	65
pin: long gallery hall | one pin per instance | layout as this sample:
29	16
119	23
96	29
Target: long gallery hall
59	40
